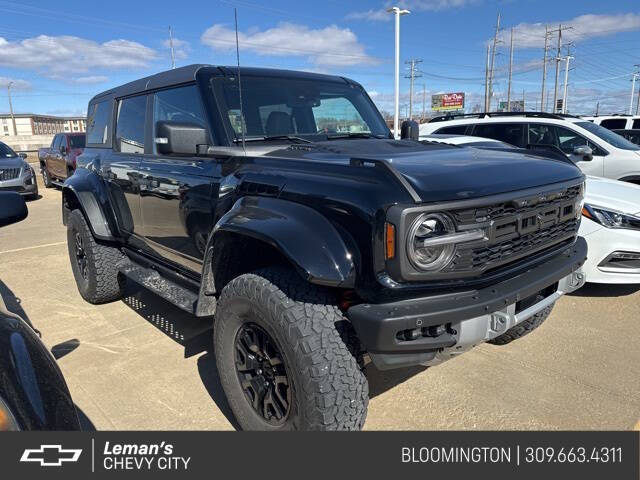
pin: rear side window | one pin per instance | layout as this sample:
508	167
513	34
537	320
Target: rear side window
130	124
511	133
636	124
613	123
98	123
453	130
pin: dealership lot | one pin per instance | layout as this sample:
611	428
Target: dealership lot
142	364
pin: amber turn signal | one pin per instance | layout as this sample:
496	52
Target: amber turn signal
586	213
390	241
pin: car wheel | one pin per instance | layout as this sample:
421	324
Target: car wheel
95	266
282	361
46	177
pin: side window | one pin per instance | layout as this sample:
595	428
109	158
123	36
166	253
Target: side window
563	138
98	122
55	145
453	130
636	124
178	105
612	123
568	139
130	124
511	133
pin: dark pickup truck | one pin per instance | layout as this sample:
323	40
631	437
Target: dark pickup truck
311	238
58	162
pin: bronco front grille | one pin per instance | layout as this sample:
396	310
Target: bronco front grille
9	173
518	228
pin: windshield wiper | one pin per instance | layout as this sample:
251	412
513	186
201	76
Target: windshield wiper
291	138
354	135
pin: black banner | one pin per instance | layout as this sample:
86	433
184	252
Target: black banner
405	455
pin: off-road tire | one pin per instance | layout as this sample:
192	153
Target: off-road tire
46	177
102	283
523	328
329	389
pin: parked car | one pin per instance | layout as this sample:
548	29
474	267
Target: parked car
633	135
595	149
33	392
610	218
16	175
615	122
326	245
58	161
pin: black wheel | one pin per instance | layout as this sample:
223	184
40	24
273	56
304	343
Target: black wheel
282	361
46	177
523	328
95	266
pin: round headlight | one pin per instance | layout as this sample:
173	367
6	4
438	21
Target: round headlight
8	422
426	227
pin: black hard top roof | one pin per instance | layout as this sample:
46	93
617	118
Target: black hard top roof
188	74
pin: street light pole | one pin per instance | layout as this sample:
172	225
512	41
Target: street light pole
13	118
633	90
397	13
566	80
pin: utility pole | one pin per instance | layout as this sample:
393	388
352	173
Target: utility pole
424	100
558	59
413	73
173	57
13	118
566	83
633	90
493	58
638	103
597	108
486	80
397	12
544	67
555	86
510	72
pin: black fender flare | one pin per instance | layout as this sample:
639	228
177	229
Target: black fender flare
87	189
301	234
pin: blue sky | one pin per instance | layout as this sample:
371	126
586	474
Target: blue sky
60	54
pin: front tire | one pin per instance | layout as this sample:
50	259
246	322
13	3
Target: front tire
95	266
276	341
46	177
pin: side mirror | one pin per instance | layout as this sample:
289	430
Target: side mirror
22	155
410	130
63	149
13	208
182	138
584	151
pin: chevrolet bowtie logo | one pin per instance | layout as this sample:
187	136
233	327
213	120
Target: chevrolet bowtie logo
50	455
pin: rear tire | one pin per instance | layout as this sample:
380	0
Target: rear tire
95	266
524	328
323	389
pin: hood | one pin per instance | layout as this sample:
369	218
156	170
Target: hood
440	172
12	162
621	196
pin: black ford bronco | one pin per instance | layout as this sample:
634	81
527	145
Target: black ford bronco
278	206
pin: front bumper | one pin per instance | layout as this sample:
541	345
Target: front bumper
21	184
462	319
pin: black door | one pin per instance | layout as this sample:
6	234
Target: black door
177	192
121	168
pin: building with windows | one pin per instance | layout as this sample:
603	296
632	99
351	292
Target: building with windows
34	124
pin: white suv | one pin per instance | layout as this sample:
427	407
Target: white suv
616	122
595	149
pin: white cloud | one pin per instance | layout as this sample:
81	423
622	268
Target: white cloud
16	84
329	46
583	27
381	14
90	79
65	55
181	48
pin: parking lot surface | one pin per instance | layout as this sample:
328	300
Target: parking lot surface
140	363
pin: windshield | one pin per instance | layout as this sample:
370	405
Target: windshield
608	136
281	106
6	151
76	141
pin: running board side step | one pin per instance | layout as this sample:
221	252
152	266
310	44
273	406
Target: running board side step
150	279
